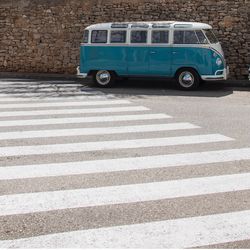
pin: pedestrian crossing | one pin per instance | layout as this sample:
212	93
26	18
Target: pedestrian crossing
110	145
79	120
95	131
125	164
60	104
40	202
181	233
25	115
72	111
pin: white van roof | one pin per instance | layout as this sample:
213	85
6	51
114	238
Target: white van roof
167	24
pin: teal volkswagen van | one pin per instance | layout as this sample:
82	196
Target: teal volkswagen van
186	51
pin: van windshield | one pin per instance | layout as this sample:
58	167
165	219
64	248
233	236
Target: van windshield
211	36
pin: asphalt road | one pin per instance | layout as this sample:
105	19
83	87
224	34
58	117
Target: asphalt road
139	165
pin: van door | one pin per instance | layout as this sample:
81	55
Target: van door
191	51
160	54
138	53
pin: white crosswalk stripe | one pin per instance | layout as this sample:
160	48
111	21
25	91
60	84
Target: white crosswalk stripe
73	111
96	131
90	119
91	110
60	104
180	233
125	164
46	201
108	145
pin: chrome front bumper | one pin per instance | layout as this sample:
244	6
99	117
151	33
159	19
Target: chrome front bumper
219	75
79	74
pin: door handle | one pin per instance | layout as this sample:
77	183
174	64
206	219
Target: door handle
152	52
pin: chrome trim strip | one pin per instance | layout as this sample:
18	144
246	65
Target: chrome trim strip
168	45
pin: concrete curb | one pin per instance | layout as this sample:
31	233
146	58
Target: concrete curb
36	75
237	83
228	83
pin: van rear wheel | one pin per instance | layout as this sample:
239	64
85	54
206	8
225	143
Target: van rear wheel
188	79
104	78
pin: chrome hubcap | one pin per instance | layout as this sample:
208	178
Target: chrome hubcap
103	77
186	79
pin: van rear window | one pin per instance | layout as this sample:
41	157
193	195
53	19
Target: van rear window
86	36
99	36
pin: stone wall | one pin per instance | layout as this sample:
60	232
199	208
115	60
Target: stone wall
44	35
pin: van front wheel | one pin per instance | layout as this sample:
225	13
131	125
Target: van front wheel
104	78
188	79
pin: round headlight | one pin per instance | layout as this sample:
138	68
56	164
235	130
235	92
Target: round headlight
218	61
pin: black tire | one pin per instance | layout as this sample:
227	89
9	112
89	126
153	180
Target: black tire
104	78
187	79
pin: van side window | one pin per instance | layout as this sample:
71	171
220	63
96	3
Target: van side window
201	37
179	37
139	36
185	37
99	36
118	36
86	36
160	36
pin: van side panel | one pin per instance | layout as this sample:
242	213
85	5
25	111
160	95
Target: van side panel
160	61
127	60
104	58
138	60
83	60
195	57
